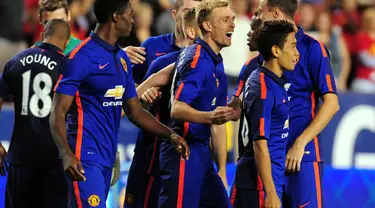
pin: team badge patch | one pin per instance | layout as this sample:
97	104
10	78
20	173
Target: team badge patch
124	65
129	198
217	82
94	200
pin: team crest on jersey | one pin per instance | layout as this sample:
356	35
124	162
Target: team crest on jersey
287	86
117	92
217	82
94	200
129	198
124	65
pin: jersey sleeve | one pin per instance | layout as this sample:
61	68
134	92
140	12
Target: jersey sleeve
191	80
245	72
222	81
320	67
139	70
4	89
73	72
260	114
130	91
155	67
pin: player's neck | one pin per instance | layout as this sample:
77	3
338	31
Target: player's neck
179	39
54	42
206	38
273	66
104	31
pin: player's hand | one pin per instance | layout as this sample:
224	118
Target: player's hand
272	201
223	176
180	145
136	54
221	115
294	157
3	165
116	170
151	95
73	167
235	103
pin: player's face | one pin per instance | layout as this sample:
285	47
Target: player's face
264	13
222	26
125	21
289	55
255	24
57	14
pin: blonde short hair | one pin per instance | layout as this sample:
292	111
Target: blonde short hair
205	9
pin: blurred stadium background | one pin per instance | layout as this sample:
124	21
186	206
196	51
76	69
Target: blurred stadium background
346	27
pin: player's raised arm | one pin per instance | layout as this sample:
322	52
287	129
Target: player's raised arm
146	121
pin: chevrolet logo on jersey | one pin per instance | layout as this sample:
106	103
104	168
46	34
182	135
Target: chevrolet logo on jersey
116	93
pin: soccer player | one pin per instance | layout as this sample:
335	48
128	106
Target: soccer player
261	167
35	173
97	75
56	9
143	184
311	80
158	46
196	92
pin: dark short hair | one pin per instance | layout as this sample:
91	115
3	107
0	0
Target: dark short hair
288	7
104	9
57	28
52	5
271	33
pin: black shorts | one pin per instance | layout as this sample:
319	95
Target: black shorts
36	187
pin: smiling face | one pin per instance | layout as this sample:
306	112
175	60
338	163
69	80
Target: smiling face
222	26
288	56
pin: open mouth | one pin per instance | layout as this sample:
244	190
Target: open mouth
229	34
295	61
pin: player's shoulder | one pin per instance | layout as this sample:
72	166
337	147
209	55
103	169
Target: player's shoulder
313	46
193	56
156	40
83	49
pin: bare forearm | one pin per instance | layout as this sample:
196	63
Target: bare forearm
58	131
263	162
147	122
182	111
219	146
327	110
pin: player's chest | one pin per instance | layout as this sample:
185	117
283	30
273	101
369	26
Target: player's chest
281	104
110	73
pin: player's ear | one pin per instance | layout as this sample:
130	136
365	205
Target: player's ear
207	26
115	17
174	14
275	51
69	16
276	13
190	32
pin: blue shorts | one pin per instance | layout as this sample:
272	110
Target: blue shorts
38	187
191	183
144	182
304	188
247	189
94	191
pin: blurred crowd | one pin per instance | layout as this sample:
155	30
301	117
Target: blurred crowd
345	27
